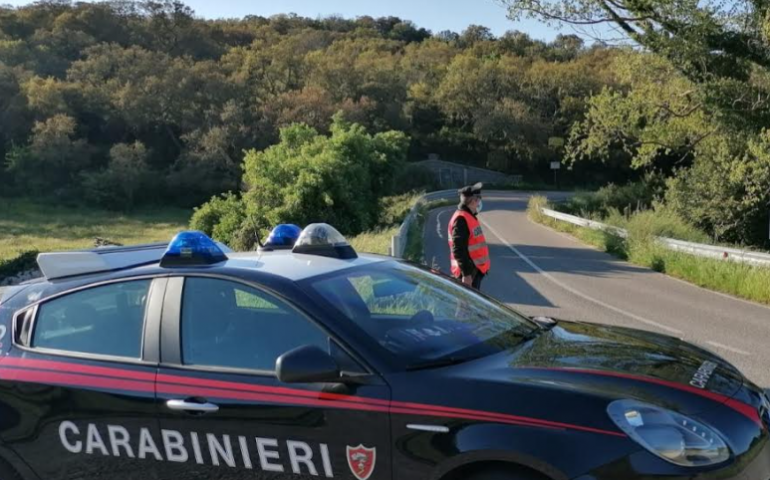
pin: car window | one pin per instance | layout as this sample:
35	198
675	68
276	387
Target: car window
419	316
387	296
106	320
227	324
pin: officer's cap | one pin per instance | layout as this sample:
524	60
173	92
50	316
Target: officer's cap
471	190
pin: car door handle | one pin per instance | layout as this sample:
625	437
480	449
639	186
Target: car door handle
195	407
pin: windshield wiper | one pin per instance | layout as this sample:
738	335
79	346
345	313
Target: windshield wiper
439	362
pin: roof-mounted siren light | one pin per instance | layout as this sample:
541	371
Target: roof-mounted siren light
192	248
324	240
283	237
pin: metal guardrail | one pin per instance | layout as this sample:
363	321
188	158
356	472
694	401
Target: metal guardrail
398	241
697	249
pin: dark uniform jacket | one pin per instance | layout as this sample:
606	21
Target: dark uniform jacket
460	235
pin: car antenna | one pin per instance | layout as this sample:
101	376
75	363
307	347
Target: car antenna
254	225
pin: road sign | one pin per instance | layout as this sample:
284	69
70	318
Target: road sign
555	165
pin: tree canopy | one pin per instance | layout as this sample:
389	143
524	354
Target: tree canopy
180	98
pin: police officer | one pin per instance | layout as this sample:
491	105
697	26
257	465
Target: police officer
468	251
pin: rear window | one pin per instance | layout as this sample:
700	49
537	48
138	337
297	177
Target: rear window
106	320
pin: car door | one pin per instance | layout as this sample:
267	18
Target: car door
77	387
228	416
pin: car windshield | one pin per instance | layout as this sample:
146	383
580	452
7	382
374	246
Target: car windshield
420	317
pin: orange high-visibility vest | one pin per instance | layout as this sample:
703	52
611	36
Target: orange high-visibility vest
477	244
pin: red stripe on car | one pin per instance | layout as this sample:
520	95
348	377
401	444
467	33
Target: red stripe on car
45	371
740	407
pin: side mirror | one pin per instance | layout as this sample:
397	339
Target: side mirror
308	364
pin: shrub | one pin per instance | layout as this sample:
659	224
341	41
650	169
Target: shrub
726	193
221	218
627	198
23	262
309	178
644	227
535	206
126	178
395	208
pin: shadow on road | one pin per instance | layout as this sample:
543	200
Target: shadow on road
580	261
507	285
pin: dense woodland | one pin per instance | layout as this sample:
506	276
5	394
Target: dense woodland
127	103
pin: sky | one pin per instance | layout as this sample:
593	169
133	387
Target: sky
435	15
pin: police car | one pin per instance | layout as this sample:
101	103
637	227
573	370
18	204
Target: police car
190	361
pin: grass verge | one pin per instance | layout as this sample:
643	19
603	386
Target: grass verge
26	226
415	248
376	241
641	248
393	210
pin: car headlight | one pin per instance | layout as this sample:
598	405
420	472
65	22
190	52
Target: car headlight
669	435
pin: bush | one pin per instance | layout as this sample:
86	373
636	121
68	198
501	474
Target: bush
309	178
395	208
535	206
25	261
727	194
627	198
126	178
643	228
221	218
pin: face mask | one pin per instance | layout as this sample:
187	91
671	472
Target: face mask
480	206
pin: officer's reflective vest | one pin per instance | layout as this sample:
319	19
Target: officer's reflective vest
477	244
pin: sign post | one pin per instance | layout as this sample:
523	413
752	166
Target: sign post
555	166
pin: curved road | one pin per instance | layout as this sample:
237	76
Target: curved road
542	272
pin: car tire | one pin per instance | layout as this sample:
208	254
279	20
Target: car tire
504	474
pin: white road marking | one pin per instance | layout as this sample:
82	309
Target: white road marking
577	293
438	223
729	349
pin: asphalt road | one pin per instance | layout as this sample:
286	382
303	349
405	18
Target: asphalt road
542	272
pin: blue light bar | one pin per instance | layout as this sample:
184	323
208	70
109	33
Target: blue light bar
191	249
282	237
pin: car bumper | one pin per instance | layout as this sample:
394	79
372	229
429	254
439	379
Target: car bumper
753	465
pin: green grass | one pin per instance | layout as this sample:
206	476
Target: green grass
394	210
26	225
377	241
738	279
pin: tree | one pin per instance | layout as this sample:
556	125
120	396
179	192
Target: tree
126	177
474	34
702	38
53	158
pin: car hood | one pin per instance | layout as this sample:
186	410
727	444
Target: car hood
613	362
628	353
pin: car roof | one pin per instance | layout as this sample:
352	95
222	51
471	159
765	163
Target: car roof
297	266
282	264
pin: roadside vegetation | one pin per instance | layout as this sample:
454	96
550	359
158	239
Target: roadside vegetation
33	226
415	245
394	210
640	247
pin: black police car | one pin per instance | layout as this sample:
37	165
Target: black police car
316	362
